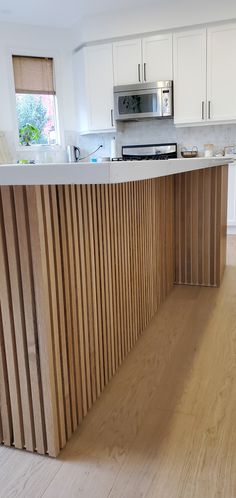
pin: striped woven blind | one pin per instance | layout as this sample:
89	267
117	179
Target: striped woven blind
33	75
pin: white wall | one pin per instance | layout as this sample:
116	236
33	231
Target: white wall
35	40
155	16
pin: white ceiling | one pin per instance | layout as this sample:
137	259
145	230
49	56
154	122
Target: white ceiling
66	13
60	13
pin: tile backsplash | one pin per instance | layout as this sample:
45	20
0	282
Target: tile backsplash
135	132
153	131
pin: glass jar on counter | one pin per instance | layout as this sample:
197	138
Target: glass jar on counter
208	150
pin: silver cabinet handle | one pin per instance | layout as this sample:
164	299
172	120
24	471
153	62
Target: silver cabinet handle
209	109
139	72
145	71
203	109
112	118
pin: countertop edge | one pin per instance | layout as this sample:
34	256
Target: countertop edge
101	173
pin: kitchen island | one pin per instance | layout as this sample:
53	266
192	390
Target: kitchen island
87	255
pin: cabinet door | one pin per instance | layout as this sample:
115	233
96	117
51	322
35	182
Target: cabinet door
127	61
157	58
190	76
80	92
232	199
221	72
99	79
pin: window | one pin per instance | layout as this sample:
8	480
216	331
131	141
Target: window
35	100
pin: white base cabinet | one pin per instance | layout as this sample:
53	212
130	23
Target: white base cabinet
232	199
94	88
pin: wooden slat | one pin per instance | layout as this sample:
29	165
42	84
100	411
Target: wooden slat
83	271
92	242
55	330
6	432
82	410
9	338
15	281
61	308
86	310
74	305
88	269
200	226
68	303
37	238
25	260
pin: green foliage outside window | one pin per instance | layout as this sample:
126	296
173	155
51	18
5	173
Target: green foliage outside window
31	111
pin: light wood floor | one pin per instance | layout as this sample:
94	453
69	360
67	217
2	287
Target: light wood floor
166	425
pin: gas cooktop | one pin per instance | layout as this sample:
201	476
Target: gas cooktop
148	152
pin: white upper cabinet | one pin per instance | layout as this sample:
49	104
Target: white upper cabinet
94	88
221	72
140	61
157	58
127	61
190	76
203	75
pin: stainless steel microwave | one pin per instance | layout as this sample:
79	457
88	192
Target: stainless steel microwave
147	100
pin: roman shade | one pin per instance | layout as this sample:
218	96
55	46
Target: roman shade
33	75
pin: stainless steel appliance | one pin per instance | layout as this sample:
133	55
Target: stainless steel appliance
147	152
73	153
148	100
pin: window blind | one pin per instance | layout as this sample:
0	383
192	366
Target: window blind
33	75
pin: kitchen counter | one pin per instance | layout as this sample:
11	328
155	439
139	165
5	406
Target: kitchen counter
100	173
88	252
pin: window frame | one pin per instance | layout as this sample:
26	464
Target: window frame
58	97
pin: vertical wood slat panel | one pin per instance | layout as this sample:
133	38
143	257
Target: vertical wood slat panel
74	303
51	272
98	264
37	238
12	244
86	310
83	409
9	339
6	431
29	311
200	226
61	307
68	304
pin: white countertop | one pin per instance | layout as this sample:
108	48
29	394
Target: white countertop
100	173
